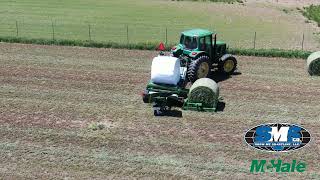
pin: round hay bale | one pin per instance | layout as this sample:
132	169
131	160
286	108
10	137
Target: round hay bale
204	91
313	64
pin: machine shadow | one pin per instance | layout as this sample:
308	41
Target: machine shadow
219	77
173	113
178	114
220	107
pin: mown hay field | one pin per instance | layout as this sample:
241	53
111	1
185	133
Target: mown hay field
72	112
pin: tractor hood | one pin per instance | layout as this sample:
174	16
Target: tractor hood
186	51
192	53
181	50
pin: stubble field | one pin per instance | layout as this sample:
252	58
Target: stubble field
52	97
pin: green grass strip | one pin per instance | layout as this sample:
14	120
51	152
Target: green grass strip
153	46
271	53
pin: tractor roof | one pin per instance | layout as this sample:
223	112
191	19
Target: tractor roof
197	32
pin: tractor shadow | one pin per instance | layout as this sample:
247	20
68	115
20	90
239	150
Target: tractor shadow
219	77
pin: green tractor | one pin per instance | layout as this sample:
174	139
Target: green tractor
200	52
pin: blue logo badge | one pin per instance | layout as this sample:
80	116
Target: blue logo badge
277	137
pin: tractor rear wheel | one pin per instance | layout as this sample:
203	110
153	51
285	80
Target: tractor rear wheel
228	65
199	68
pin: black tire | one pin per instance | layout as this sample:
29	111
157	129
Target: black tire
228	64
193	69
145	97
158	112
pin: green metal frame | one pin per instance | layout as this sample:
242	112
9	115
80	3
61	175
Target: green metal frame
199	107
163	89
161	92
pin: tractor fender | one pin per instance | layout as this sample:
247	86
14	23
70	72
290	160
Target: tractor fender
226	56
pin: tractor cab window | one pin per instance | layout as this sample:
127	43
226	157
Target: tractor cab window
194	43
208	40
187	42
202	44
190	42
219	49
208	44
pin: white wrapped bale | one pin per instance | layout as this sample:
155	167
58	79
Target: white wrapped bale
204	91
165	70
313	64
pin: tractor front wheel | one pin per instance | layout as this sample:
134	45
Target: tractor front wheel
199	68
228	65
